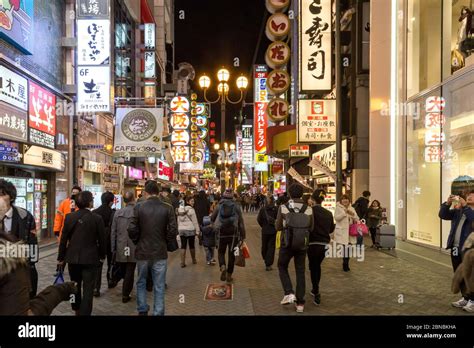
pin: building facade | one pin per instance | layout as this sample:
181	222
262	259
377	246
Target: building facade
422	117
35	127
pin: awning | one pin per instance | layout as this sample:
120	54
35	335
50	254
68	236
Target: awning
279	138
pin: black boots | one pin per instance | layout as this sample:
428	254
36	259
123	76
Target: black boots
345	264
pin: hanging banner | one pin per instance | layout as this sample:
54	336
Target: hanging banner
93	42
138	132
13	88
316	121
315	32
13	123
93	89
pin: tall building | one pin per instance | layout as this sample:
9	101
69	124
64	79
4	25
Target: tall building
35	113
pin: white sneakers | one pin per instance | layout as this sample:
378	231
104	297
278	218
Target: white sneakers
469	307
466	305
299	308
291	298
460	304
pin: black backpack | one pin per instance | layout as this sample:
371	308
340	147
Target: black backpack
297	229
227	213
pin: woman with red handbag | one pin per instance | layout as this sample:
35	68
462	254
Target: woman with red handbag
345	215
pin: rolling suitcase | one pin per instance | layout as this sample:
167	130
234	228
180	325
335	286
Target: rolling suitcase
385	237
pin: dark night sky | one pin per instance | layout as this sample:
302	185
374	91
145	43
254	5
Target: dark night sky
212	34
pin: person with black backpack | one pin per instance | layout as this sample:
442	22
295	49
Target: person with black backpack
266	219
230	231
295	220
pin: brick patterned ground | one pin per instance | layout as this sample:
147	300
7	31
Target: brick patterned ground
373	287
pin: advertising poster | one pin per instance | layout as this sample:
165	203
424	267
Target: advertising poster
16	23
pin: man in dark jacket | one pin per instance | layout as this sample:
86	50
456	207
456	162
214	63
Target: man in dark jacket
462	218
20	223
361	205
266	219
202	206
152	227
319	238
83	247
122	246
106	212
230	231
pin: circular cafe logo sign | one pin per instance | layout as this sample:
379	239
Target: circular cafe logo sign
139	125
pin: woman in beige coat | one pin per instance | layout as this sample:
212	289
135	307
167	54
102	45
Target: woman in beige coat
345	216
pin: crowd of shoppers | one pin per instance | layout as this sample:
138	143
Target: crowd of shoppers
293	227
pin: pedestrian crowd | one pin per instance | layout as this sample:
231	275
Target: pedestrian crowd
136	240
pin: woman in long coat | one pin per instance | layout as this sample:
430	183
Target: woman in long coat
345	216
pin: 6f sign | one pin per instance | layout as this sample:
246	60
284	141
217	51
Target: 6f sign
93	84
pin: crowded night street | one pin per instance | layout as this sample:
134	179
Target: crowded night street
188	165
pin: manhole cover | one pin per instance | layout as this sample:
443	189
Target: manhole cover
219	292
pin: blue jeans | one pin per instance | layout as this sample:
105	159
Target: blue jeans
209	253
158	271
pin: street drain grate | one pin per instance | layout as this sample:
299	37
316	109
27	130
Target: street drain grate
219	292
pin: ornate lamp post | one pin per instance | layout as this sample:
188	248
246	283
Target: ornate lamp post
223	89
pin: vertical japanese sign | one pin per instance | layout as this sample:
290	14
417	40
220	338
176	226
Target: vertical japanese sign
247	145
42	116
93	56
434	123
180	122
238	143
150	60
260	119
315	32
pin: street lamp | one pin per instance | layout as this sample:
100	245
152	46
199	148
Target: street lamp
223	88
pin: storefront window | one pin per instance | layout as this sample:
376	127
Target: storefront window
458	164
424	140
424	38
459	34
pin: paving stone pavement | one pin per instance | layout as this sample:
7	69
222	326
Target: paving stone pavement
380	285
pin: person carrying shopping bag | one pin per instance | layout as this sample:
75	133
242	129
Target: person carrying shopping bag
345	215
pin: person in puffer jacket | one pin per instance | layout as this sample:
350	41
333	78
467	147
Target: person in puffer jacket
188	228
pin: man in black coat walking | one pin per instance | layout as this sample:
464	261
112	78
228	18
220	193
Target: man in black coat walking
106	212
266	219
83	247
202	206
152	228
